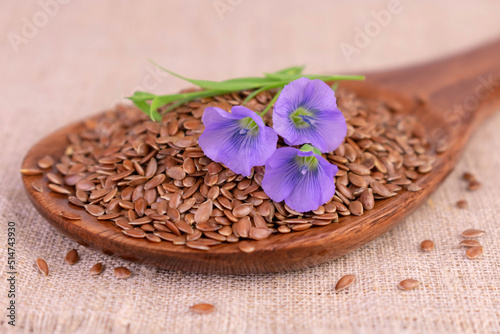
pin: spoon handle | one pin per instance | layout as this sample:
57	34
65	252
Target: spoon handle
464	89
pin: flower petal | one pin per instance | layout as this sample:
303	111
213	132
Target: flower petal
223	142
281	172
213	115
316	188
328	127
330	131
291	97
318	95
219	124
283	180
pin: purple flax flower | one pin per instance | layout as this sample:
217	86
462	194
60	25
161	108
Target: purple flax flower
239	139
306	112
302	178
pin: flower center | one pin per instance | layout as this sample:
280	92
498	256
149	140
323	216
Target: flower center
303	169
302	118
248	125
307	164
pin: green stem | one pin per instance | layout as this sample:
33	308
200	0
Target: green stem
268	87
270	103
194	97
212	88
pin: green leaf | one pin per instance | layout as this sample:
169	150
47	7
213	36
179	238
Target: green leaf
250	80
212	88
308	148
141	96
291	70
153	109
335	85
234	85
165	99
267	79
201	94
142	105
276	76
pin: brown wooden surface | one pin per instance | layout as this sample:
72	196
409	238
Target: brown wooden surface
444	83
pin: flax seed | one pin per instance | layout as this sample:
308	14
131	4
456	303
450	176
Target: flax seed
295	227
70	215
31	171
203	212
358	169
470	243
42	266
474	185
469	177
413	187
202	308
345	282
38	185
259	233
45	162
356	208
154	182
58	189
176	173
472	233
135	233
427	245
380	189
122	272
284	229
246	247
197	245
367	199
72	257
242	210
95	210
474	252
408	284
96	269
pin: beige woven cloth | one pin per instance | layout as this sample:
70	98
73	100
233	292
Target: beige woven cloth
88	54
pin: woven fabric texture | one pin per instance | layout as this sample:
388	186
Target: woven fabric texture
83	60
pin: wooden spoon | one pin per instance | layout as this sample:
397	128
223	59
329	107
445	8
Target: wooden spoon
460	93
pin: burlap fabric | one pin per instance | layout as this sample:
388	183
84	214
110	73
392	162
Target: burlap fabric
91	53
